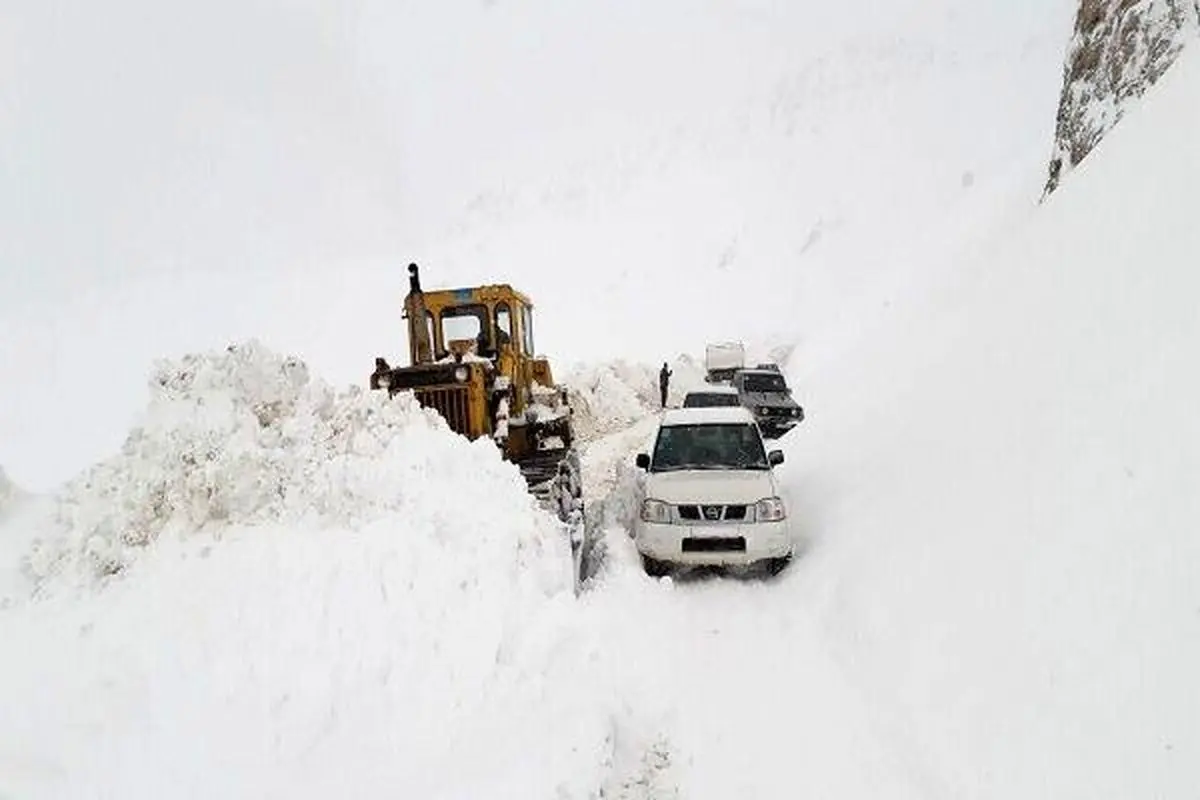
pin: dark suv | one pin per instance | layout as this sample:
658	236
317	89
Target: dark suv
765	392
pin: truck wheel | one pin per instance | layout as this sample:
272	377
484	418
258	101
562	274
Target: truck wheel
655	568
778	565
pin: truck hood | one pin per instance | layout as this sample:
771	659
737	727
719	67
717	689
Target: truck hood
770	399
711	486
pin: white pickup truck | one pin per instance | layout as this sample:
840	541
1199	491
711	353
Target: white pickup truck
710	496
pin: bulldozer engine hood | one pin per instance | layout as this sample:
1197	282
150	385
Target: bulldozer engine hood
423	375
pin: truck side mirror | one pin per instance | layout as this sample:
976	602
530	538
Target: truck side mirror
775	457
643	461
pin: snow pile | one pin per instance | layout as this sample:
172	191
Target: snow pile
245	436
340	597
610	396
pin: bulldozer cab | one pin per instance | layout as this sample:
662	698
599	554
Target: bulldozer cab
472	358
493	322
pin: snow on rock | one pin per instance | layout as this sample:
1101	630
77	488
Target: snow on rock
1119	49
15	541
8	491
245	436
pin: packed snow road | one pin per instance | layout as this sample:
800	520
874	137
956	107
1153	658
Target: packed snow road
749	700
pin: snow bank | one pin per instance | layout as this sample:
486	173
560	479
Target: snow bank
245	436
323	594
610	396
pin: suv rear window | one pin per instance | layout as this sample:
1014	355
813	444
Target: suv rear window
710	399
709	446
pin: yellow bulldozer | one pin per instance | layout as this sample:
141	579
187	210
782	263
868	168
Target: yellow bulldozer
472	359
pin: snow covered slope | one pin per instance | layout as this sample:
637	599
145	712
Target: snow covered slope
1002	488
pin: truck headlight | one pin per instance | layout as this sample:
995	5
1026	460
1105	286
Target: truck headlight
769	509
461	374
656	511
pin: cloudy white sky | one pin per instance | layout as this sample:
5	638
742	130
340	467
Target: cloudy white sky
173	177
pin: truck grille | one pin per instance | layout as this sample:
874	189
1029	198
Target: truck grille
712	513
451	403
716	544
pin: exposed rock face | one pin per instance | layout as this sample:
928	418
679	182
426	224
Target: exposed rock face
1119	49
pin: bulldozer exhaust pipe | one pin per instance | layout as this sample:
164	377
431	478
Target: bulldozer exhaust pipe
418	332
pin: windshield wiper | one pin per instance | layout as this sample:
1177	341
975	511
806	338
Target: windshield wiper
711	467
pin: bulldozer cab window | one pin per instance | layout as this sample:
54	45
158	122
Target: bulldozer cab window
527	328
503	325
465	322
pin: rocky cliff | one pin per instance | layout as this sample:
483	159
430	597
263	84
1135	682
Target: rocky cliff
1118	50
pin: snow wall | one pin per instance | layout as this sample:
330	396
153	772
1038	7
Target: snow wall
247	437
321	592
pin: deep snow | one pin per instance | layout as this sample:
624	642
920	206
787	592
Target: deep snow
314	609
268	571
1002	482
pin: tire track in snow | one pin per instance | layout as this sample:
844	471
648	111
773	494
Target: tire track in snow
749	695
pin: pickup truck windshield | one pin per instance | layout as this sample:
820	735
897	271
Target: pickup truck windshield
764	383
715	446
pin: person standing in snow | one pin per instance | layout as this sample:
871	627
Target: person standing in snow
664	382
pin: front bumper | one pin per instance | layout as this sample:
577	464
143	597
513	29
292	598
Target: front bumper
713	545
